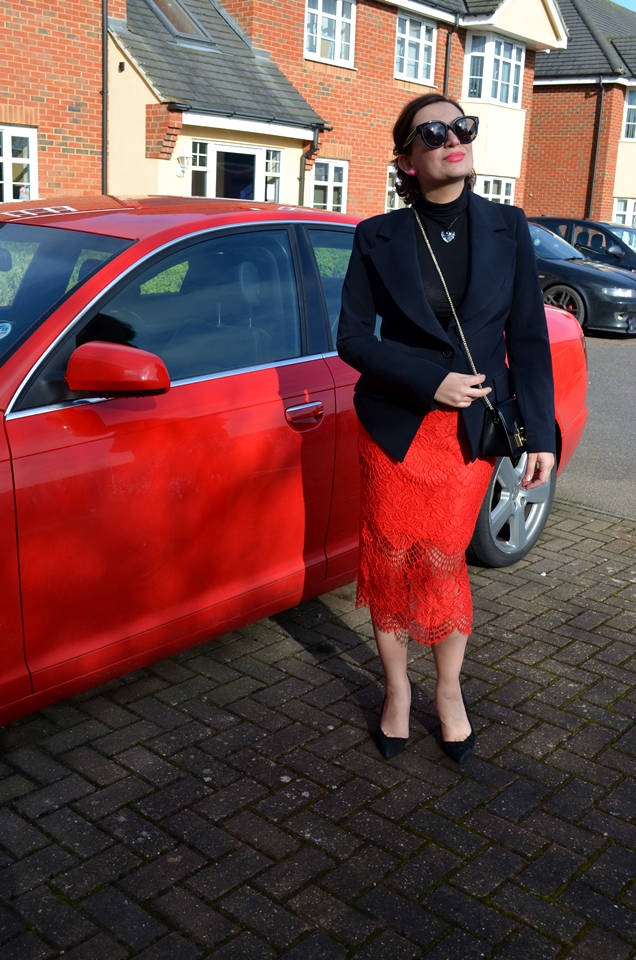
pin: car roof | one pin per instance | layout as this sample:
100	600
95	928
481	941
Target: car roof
135	218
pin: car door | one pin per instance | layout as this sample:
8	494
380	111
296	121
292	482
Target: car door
595	243
143	520
331	247
15	682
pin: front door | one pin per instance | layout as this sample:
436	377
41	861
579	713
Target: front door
144	519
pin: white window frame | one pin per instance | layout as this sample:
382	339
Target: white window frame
392	201
331	183
426	79
629	120
624	211
273	174
496	189
214	148
492	69
316	15
6	159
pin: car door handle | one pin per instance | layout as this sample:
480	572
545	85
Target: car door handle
305	412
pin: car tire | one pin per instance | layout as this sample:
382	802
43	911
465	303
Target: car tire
567	298
511	519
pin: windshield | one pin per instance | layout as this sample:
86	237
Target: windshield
551	247
39	268
626	234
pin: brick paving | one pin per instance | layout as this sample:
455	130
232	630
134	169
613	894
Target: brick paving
229	803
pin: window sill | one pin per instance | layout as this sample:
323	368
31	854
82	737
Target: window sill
330	63
494	103
417	83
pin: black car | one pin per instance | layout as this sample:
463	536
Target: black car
600	297
612	244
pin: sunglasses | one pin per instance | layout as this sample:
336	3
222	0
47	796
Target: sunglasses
434	133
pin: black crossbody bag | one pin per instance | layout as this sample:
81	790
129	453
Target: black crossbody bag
504	433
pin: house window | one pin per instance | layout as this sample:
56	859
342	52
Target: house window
180	22
414	49
273	172
199	168
497	189
494	70
625	212
476	67
630	115
329	31
329	187
18	158
235	171
393	201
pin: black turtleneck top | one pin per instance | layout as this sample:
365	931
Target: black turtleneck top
452	256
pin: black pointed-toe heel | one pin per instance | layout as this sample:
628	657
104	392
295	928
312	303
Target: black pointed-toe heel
390	746
460	750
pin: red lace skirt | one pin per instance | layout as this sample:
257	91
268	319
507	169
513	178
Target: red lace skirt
417	519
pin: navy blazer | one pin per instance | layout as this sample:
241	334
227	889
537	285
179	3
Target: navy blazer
501	309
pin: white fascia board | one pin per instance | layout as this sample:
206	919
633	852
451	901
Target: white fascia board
424	9
247	126
568	81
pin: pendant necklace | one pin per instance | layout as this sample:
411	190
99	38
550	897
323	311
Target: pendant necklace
449	234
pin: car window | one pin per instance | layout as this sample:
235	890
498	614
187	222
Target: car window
549	246
591	241
556	226
332	249
626	234
39	267
221	304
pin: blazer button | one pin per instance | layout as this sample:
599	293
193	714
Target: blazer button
447	354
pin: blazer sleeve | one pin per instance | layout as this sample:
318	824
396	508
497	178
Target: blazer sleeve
528	347
410	378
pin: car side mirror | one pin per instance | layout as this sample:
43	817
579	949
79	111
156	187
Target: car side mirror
6	262
615	251
99	369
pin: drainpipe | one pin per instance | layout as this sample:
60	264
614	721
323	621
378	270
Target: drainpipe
104	96
303	165
449	40
596	146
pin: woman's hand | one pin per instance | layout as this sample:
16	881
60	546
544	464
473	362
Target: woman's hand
538	467
460	389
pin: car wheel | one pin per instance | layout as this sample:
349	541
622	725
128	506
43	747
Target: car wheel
511	519
567	299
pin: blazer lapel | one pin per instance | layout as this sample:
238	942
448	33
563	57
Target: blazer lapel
396	262
491	258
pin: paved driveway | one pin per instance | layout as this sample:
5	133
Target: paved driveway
229	803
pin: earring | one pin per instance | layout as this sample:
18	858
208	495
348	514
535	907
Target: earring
411	172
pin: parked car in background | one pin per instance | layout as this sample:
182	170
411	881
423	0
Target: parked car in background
179	452
599	297
613	244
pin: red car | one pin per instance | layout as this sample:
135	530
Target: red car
179	447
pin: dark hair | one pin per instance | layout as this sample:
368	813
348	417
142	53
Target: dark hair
405	186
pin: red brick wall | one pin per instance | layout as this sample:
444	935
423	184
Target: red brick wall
564	124
50	77
362	104
162	129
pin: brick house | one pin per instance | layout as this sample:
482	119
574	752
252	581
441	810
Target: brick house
50	97
583	127
175	77
357	63
263	98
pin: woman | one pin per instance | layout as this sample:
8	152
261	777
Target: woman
420	407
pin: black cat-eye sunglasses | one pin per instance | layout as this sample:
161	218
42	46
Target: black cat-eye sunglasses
434	133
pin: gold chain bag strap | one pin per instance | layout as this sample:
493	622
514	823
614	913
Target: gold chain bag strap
504	433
